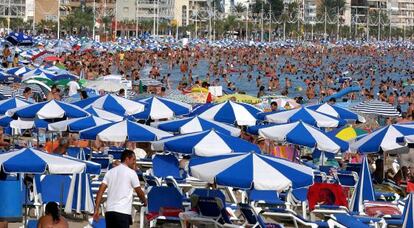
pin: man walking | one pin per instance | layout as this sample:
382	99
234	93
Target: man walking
120	181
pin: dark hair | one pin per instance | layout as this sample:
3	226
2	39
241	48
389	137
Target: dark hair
127	154
52	209
274	103
27	89
84	94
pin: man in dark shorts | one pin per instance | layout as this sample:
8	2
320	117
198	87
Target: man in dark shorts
120	181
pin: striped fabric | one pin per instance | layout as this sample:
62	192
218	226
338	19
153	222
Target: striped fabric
376	107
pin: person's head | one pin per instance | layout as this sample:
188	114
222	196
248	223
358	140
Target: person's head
27	92
52	209
83	94
63	142
121	92
128	158
273	106
332	100
261	142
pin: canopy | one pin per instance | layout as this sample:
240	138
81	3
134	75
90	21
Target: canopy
196	124
232	113
52	109
115	104
376	107
348	133
12	103
205	143
384	139
251	171
300	133
104	114
161	108
408	214
28	160
337	112
77	124
19	39
80	198
306	115
122	131
18	71
364	189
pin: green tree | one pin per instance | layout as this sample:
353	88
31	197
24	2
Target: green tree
46	26
16	24
239	8
81	20
276	6
332	7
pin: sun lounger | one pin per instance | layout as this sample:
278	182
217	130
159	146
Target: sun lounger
345	221
346	178
210	211
253	219
263	198
166	166
164	204
282	215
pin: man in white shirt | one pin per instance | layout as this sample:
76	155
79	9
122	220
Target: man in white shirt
120	181
73	88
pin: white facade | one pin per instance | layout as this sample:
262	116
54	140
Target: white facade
17	8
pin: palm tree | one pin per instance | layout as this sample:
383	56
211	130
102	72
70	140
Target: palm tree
239	8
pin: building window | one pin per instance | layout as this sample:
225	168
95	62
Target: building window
126	9
184	16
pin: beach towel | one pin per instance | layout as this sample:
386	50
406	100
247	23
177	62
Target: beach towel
326	194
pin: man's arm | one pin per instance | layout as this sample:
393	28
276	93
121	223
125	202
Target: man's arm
98	200
141	195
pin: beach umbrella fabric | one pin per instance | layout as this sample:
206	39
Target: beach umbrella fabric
19	39
8	79
232	113
114	104
303	134
376	107
251	171
196	124
206	143
337	112
348	133
306	115
52	109
384	139
161	108
123	131
18	71
28	160
77	124
12	103
408	214
80	198
198	109
106	115
6	121
364	191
